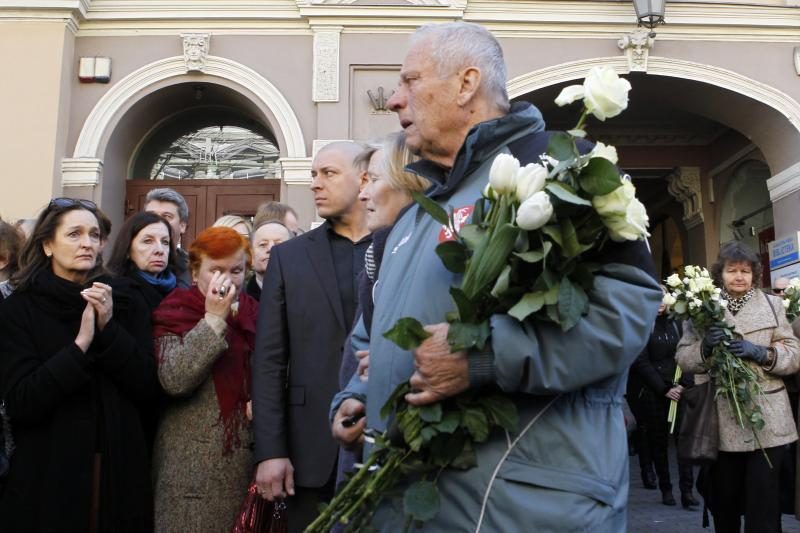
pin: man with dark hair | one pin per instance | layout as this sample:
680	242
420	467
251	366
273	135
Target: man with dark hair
566	467
308	303
173	208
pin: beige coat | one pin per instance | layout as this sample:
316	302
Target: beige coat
756	323
197	487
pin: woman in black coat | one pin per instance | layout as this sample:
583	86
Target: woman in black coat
73	375
655	370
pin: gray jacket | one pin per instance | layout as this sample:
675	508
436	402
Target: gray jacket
566	467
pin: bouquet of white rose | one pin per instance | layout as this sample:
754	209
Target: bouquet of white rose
695	297
791	300
523	253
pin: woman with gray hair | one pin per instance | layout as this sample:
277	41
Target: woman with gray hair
386	196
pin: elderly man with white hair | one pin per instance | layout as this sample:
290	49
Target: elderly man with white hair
566	466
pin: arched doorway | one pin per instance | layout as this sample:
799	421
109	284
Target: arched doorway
163	101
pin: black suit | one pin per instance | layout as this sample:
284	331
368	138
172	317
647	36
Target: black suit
301	331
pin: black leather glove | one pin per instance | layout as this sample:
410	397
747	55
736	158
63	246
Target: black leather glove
714	336
748	350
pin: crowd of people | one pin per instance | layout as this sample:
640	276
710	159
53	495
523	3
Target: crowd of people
147	387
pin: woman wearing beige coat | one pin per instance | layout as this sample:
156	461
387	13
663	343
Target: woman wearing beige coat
741	481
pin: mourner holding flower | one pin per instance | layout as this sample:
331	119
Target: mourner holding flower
744	480
550	474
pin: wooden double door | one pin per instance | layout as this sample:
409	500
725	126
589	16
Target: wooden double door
207	199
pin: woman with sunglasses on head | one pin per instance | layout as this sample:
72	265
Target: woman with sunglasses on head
204	336
72	376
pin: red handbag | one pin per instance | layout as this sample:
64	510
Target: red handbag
258	515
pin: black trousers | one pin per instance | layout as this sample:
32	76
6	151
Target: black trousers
303	507
742	483
653	442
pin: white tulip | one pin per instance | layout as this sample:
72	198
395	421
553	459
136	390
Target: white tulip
606	151
534	212
605	93
569	95
530	180
502	175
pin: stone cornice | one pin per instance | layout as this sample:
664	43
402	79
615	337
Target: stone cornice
784	183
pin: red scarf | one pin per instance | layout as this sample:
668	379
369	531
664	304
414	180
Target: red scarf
178	313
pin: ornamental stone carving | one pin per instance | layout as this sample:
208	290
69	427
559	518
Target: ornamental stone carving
326	64
195	50
637	46
684	185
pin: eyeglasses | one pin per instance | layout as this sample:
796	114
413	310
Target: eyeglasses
73	202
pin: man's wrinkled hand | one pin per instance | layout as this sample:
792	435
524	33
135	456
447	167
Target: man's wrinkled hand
440	373
275	478
350	434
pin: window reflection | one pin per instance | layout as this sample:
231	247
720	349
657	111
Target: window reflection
218	152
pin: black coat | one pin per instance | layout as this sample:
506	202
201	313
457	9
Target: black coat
655	366
301	331
66	407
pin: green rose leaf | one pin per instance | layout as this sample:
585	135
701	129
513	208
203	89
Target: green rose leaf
466	459
479	211
463	335
599	177
572	302
502	411
562	146
449	423
432	208
534	256
427	433
431	413
421	500
453	255
528	304
565	193
569	237
554	232
551	295
473	236
476	423
407	333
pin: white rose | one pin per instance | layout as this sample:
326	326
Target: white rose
668	300
715	297
787	303
689	294
569	95
698	302
630	227
530	180
692	304
534	212
689	269
717	290
674	281
503	173
616	202
723	304
606	151
693	286
605	93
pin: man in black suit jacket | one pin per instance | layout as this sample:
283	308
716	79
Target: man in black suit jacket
307	309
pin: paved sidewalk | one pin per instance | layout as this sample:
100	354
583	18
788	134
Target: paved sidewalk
646	513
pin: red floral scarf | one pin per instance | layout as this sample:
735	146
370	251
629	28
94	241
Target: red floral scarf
178	313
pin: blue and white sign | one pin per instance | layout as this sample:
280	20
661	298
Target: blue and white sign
784	251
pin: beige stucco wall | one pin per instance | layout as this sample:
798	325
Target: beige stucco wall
35	108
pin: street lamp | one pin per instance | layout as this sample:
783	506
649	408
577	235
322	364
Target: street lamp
649	13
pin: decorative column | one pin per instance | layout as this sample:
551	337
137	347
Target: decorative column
685	186
325	86
296	176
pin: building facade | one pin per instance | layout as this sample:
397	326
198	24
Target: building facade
227	100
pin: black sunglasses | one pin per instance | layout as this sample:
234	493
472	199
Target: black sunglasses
73	202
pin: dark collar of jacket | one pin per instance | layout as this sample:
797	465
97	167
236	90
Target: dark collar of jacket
482	141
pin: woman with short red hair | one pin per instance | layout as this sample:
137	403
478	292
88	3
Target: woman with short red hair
204	336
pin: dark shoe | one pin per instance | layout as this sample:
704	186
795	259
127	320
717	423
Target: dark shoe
688	501
667	498
649	479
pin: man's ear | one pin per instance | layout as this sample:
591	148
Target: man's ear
470	79
363	180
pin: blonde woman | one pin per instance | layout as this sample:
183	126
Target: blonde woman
240	224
